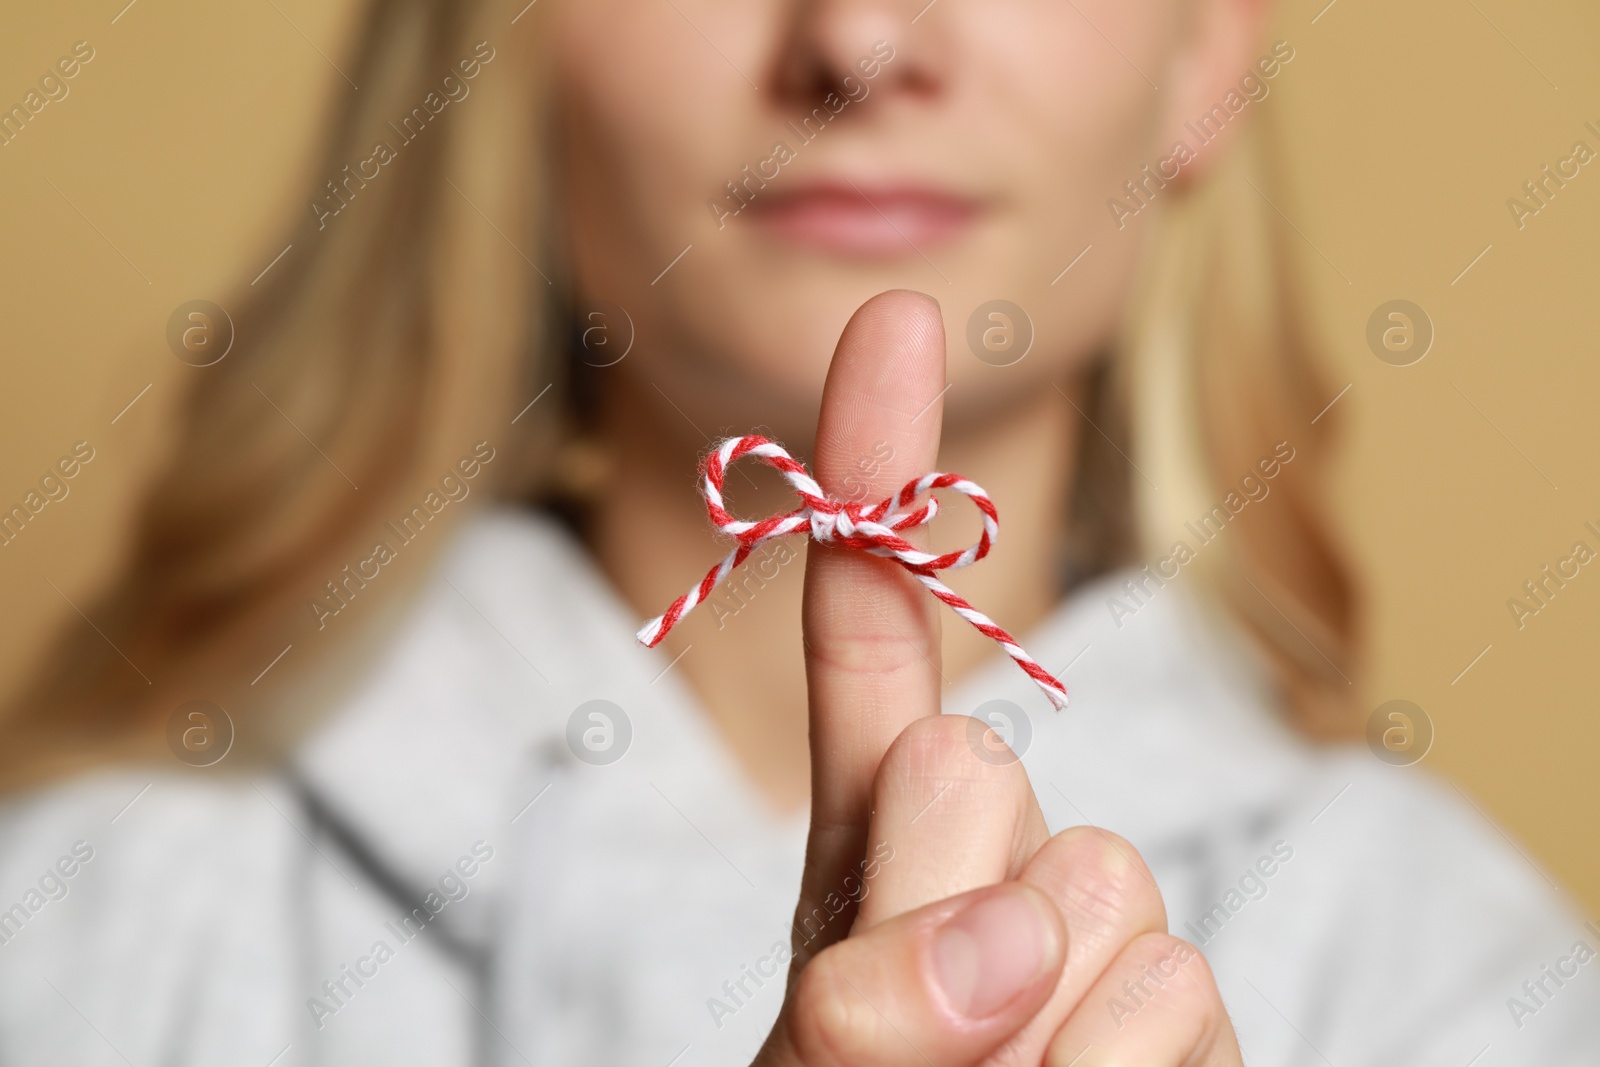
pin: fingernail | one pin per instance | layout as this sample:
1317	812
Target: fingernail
991	951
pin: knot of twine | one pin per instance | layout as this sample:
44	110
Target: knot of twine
871	528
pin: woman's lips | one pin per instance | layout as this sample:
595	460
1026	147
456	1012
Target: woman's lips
853	220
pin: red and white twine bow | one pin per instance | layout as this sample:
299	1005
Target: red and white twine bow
873	528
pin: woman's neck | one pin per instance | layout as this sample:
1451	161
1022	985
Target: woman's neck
740	652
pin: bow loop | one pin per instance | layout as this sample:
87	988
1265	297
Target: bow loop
872	528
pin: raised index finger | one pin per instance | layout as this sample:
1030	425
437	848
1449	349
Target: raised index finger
871	632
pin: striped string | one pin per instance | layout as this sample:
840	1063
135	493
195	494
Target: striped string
873	528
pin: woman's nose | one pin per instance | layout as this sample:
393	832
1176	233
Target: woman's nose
897	46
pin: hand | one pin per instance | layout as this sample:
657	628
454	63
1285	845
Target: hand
973	936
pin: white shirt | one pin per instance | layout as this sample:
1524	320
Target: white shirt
601	908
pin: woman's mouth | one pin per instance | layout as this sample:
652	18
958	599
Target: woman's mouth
860	221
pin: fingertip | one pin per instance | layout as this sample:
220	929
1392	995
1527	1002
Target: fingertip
956	979
902	301
994	952
908	328
881	403
910	302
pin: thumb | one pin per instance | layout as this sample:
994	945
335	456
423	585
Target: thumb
942	986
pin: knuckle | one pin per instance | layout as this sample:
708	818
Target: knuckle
1158	981
832	1023
1158	952
871	629
1100	876
862	652
1181	987
1066	1053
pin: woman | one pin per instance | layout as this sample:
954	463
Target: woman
441	809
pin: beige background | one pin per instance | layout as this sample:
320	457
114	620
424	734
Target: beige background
165	174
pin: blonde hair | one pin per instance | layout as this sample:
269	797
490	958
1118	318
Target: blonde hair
387	336
1222	369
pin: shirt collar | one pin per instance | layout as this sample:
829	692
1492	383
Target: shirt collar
442	742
